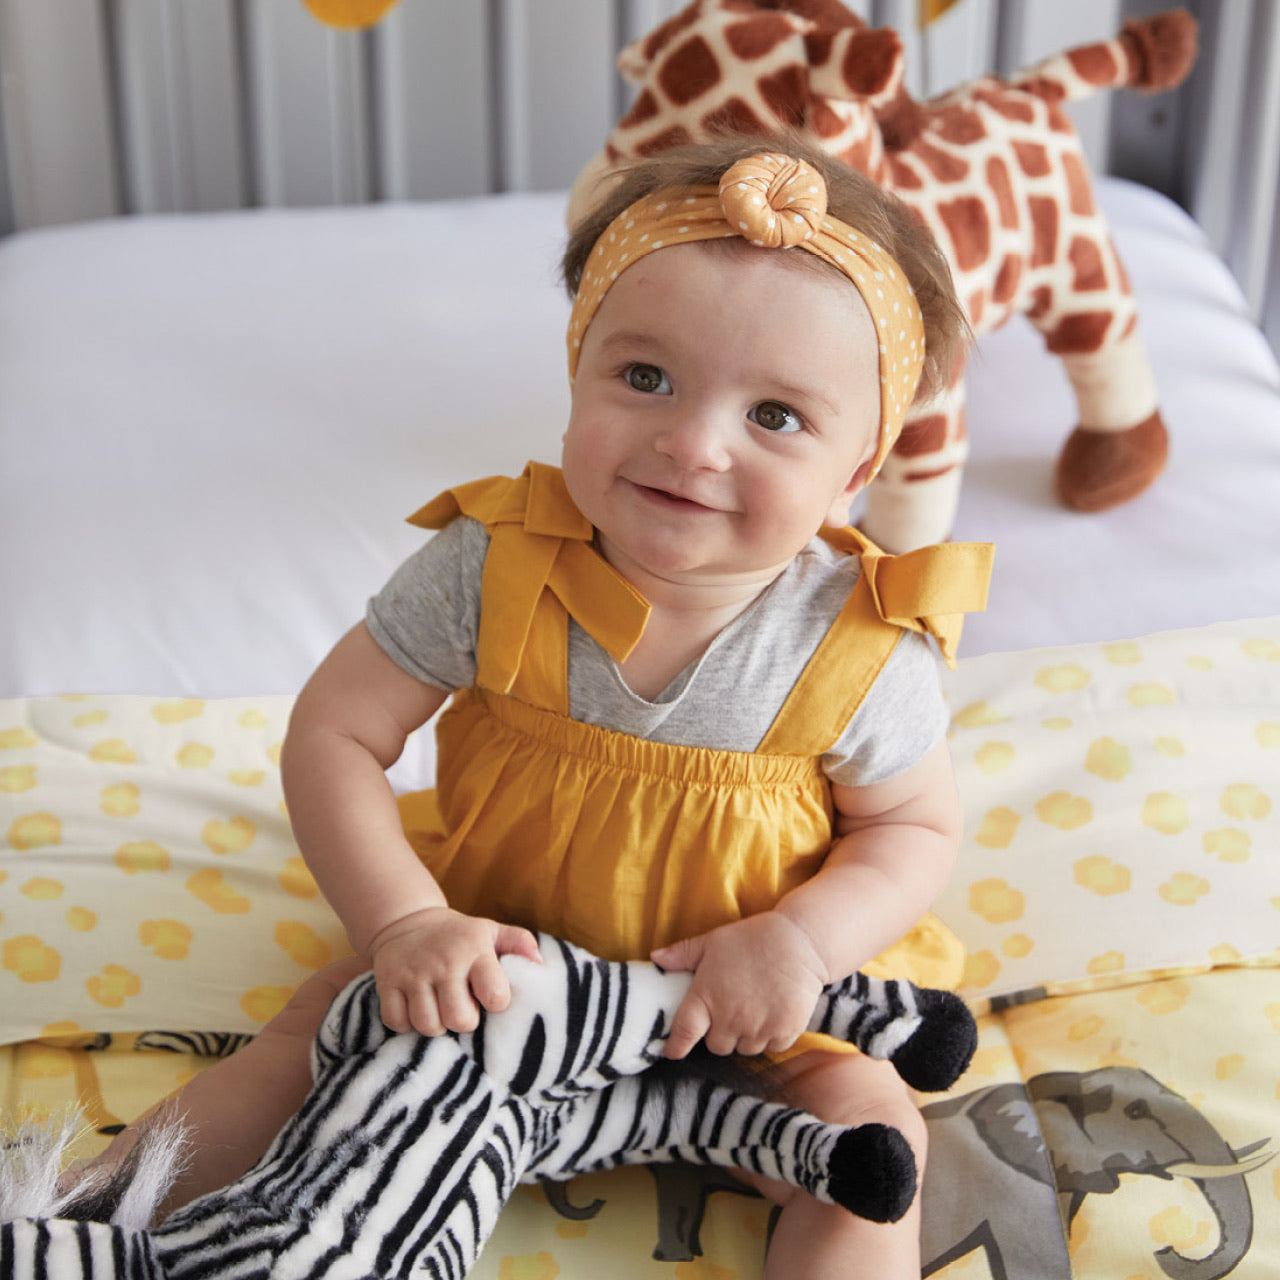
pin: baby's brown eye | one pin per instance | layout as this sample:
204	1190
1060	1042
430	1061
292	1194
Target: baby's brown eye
648	378
773	416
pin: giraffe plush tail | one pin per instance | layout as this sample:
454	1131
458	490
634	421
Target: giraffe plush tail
928	1035
1149	53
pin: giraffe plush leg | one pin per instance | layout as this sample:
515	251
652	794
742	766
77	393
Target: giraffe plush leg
1121	444
912	502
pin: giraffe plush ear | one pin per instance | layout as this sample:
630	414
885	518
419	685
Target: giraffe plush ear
864	64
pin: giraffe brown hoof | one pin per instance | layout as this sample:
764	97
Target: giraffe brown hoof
1101	469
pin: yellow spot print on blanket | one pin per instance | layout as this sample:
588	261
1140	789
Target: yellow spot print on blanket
30	959
234	835
33	830
137	857
178	710
21	777
113	985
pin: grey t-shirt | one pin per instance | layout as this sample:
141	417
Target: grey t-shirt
427	619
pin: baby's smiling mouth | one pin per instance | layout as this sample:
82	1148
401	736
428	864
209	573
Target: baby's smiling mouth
669	499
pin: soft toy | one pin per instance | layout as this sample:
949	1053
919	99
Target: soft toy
407	1147
994	168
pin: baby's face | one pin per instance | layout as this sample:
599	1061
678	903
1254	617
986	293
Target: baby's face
725	408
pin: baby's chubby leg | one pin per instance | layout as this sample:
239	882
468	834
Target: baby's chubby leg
233	1109
816	1241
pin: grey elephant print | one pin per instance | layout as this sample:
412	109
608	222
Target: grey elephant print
1010	1166
1002	1159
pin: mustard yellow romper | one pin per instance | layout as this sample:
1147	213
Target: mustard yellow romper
611	841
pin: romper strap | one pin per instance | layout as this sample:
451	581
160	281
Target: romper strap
928	590
541	567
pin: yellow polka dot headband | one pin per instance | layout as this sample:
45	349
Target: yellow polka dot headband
773	201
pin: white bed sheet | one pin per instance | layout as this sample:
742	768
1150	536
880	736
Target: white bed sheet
211	427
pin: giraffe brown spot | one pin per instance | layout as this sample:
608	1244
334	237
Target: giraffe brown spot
1087	271
823	121
1032	158
1095	64
975	307
930	473
969	229
1041	301
1079	334
827	15
1000	185
734	116
786	92
857	156
689	71
922	435
817	47
645	107
943	165
1044	230
1007	279
663	34
959	125
1046	90
1079	193
1059	121
870	60
1003	103
1130	325
904	177
676	136
754	37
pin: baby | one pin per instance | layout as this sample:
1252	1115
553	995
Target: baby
694	717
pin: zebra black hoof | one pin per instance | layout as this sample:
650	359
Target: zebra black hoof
873	1173
941	1048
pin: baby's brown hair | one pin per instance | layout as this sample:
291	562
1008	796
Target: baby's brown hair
851	197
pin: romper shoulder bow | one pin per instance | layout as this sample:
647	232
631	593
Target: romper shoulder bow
539	541
928	590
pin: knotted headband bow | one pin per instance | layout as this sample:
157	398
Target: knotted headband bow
772	201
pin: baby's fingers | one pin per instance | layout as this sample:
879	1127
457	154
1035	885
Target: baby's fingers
424	1012
511	940
489	984
395	1009
456	1007
688	1026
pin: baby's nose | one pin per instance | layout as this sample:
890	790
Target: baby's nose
697	441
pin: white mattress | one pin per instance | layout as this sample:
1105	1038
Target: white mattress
212	426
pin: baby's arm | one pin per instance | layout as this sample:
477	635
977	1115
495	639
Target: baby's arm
756	980
348	727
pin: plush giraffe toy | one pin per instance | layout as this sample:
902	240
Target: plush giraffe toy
996	171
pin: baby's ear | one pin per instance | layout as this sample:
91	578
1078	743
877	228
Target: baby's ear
838	515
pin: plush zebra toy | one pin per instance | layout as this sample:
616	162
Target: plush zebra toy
408	1147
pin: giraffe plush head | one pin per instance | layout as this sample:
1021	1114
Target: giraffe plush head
993	168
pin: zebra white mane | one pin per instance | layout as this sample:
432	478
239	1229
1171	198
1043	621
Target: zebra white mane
408	1147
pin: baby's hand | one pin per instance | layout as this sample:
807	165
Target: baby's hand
434	969
755	986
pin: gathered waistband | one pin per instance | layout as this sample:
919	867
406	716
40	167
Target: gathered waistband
609	749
